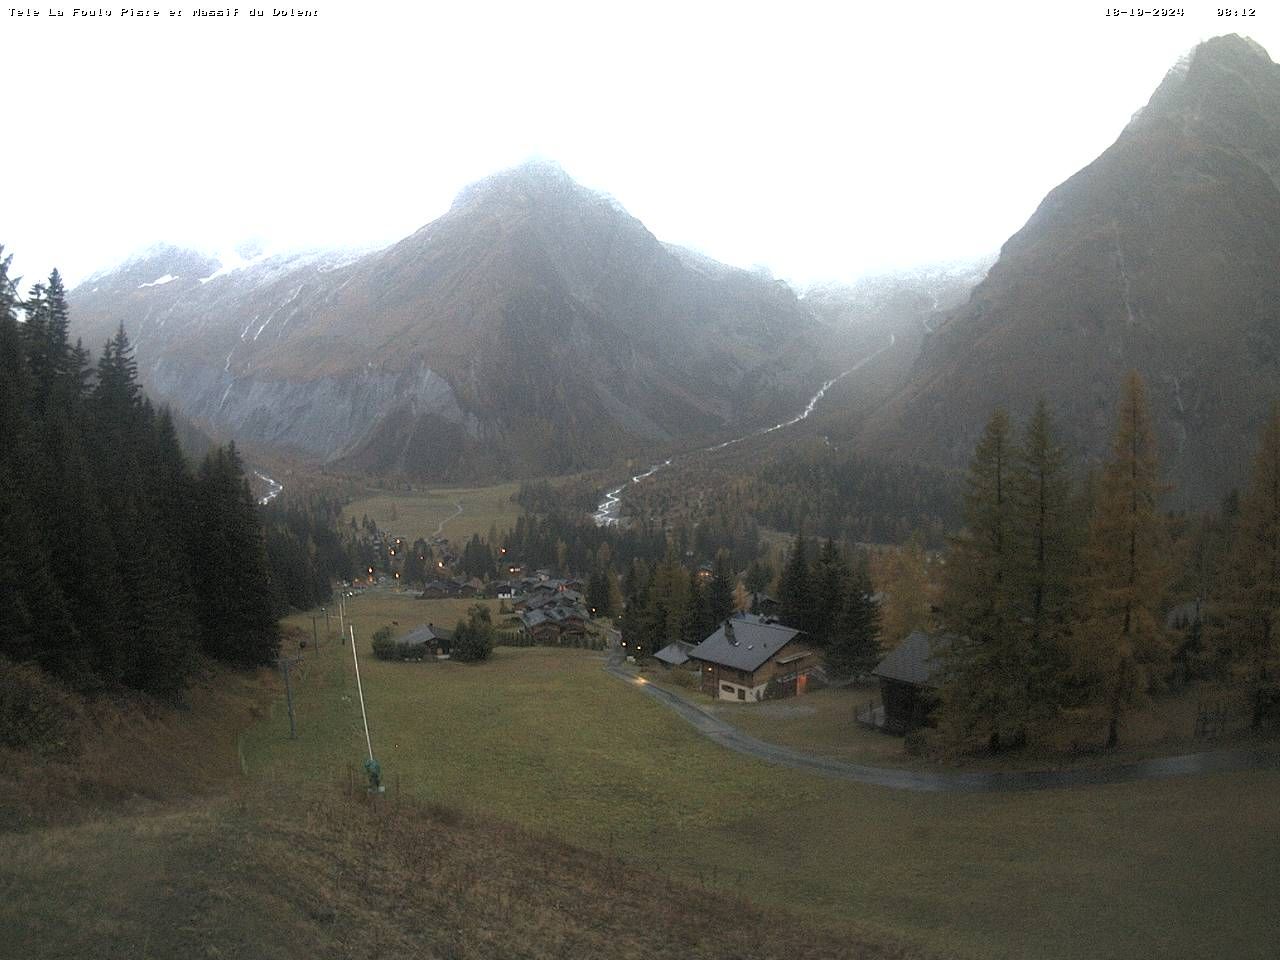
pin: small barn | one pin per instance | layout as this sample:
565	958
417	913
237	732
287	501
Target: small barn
908	682
674	654
437	641
747	653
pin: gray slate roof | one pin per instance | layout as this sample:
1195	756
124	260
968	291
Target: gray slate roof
910	661
757	641
426	634
674	654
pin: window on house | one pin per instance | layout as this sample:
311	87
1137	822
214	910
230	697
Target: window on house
726	688
742	694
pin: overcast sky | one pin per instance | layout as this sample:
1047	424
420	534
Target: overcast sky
820	144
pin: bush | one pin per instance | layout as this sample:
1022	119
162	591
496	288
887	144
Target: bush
35	713
473	640
384	648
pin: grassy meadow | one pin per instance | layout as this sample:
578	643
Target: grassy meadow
419	513
542	737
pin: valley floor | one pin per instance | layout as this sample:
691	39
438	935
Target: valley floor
1182	867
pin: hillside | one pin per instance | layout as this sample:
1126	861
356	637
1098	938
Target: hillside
536	326
1160	256
152	843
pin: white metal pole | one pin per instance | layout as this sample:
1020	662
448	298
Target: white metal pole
360	689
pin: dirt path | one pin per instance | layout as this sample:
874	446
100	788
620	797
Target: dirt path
727	735
456	513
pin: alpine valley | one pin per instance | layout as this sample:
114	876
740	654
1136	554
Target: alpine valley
535	327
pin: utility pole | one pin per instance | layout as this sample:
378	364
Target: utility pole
285	664
315	631
371	765
342	606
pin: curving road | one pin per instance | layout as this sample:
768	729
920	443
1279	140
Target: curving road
727	735
610	508
457	512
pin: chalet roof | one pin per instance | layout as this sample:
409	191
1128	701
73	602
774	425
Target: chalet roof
674	654
754	642
912	661
429	633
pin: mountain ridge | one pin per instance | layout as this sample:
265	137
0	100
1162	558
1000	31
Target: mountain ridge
1159	256
536	325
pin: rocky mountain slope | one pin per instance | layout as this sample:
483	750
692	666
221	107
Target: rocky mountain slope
535	327
1161	255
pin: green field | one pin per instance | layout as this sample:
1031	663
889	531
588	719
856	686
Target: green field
1173	868
420	513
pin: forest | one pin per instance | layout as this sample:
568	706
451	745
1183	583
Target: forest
120	564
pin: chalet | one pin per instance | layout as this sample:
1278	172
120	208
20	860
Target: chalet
438	590
747	653
706	571
674	654
464	588
540	627
554	622
908	682
436	640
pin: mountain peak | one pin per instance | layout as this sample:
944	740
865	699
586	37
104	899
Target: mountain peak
1216	72
530	181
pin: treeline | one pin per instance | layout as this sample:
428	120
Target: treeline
308	548
118	564
1056	594
565	540
828	492
822	592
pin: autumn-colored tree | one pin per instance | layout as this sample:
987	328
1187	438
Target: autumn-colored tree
1248	609
1045	542
1120	646
902	577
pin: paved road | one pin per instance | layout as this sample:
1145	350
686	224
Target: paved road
727	735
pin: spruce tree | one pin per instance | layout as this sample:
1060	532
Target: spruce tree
719	592
1120	647
853	649
795	588
831	588
234	602
980	689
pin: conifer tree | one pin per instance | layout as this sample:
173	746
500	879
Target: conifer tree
831	589
1248	609
1120	646
980	691
234	606
1045	547
854	646
795	588
719	592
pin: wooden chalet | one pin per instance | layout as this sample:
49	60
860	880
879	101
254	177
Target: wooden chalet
553	621
436	640
746	653
908	683
438	590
